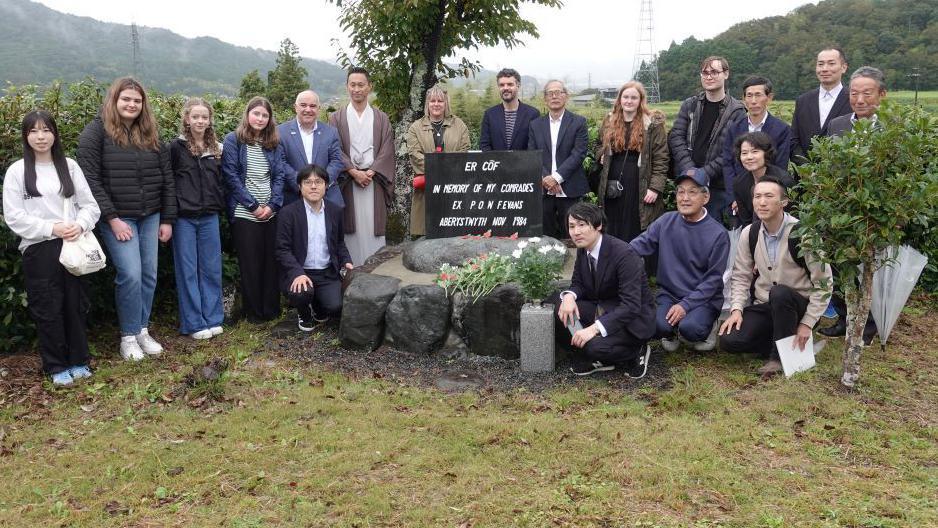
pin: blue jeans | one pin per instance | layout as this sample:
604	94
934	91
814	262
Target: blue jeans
135	261
694	327
197	262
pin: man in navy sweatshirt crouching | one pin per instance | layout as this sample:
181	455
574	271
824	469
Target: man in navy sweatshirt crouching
692	250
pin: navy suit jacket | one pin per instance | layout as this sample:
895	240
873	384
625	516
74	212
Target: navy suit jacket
774	127
492	133
292	240
621	288
327	153
805	123
571	150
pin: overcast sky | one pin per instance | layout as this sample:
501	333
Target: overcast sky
584	38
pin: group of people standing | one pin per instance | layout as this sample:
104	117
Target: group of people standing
730	165
295	231
307	201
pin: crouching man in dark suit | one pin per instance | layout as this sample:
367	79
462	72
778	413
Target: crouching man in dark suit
609	304
311	251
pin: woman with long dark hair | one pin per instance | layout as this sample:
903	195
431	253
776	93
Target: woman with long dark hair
635	163
756	153
253	168
46	200
129	172
200	196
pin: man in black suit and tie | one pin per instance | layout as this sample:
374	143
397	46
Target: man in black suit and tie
561	137
816	108
311	250
609	307
505	125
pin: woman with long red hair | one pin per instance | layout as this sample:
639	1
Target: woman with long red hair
635	163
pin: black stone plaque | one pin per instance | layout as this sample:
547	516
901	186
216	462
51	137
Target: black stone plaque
469	193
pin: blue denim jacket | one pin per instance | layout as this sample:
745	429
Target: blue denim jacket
234	166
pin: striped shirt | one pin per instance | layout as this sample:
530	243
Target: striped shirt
257	181
510	116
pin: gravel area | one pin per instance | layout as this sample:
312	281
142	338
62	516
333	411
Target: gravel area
469	372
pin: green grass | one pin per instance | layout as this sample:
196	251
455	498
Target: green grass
293	445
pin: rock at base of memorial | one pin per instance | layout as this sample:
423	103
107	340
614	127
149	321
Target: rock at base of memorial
426	256
418	318
230	302
490	325
363	307
453	348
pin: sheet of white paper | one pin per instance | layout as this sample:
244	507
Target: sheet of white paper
794	359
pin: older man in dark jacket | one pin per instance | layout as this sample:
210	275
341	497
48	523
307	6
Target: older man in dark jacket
699	132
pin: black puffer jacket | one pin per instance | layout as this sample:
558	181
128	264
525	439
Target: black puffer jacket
126	182
199	186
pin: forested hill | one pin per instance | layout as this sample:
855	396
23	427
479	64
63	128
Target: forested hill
893	35
41	45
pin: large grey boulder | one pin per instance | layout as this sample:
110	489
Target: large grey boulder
363	308
418	318
491	324
426	256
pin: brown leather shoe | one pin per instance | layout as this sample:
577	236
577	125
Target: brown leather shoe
771	367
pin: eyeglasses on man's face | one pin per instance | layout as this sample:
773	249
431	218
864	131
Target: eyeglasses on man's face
711	73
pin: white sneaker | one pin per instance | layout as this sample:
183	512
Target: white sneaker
130	350
202	334
216	330
670	345
710	343
148	344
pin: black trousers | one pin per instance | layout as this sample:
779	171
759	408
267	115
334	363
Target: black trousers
555	216
58	303
620	347
325	297
764	324
255	243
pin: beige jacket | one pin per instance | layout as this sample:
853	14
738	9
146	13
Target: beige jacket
816	288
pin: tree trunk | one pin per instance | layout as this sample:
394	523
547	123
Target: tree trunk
422	78
858	309
404	174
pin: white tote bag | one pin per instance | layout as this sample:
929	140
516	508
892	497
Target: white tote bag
82	255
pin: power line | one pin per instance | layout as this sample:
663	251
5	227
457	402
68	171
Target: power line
645	64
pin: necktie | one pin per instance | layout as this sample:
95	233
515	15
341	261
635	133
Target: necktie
593	266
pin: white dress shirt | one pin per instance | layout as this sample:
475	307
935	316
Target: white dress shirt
317	248
308	138
758	127
554	134
825	101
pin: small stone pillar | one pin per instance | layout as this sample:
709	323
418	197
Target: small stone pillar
537	338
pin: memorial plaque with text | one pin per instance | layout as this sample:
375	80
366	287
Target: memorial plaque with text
469	193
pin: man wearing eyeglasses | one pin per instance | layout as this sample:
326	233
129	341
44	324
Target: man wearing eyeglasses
692	249
561	137
699	132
